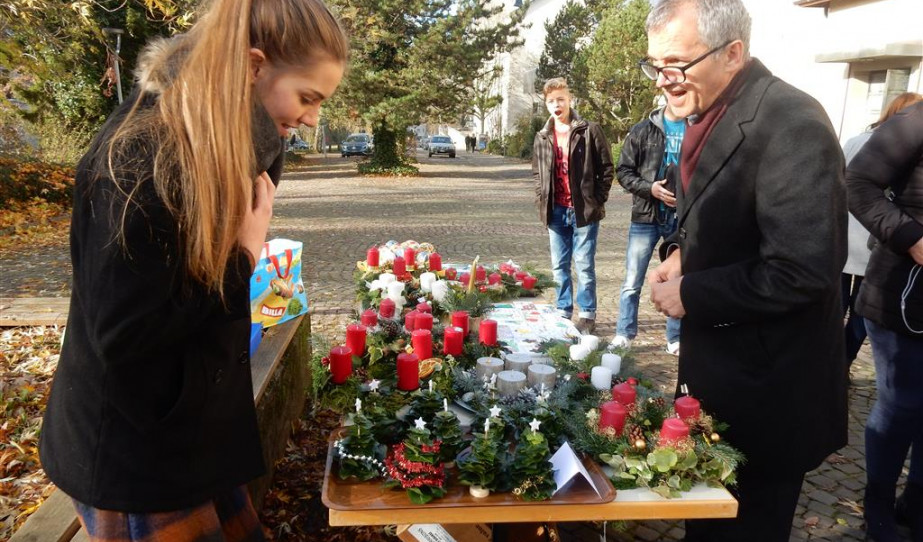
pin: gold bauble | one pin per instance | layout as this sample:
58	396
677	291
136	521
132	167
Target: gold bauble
715	437
640	444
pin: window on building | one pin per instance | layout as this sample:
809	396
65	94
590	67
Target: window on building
884	86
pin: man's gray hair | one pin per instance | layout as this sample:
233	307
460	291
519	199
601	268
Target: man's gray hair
718	21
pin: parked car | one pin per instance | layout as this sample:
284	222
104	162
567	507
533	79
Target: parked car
357	145
299	146
441	145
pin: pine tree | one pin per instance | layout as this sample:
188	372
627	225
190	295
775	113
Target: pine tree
533	477
414	465
417	60
447	429
360	454
619	93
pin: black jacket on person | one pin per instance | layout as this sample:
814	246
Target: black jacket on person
891	159
590	170
762	227
639	163
151	408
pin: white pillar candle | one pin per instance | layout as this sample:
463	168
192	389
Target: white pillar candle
601	378
579	352
398	299
387	278
488	366
590	341
440	290
510	382
518	362
426	281
542	376
613	362
395	288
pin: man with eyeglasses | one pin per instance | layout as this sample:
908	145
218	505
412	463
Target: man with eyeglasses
753	270
572	169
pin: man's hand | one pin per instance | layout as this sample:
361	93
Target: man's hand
255	226
916	251
666	298
669	269
665	280
664	195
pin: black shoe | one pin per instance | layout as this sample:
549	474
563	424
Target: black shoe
586	325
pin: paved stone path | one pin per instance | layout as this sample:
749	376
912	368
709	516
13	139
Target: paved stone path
483	205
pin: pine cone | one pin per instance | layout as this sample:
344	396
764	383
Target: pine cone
660	403
391	328
635	433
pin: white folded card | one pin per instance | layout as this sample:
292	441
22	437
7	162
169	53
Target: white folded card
567	465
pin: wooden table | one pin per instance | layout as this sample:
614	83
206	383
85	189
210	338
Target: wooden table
700	502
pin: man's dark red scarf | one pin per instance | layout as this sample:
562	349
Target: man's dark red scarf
697	133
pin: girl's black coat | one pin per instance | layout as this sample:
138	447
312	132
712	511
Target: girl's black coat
152	405
891	159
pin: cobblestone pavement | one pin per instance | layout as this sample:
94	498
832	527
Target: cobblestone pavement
483	205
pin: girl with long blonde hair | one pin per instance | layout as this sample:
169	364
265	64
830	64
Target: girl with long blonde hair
150	426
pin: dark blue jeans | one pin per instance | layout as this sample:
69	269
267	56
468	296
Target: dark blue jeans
895	422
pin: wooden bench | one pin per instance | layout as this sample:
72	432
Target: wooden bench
280	382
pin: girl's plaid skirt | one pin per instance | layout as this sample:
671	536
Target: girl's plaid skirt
227	518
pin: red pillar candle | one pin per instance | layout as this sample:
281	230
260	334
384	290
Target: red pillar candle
410	257
424	307
624	393
520	275
673	429
386	308
528	282
422	342
687	407
408	372
488	332
424	321
453	341
435	262
355	339
460	319
341	364
410	321
371	257
370	317
494	278
399	266
612	414
480	274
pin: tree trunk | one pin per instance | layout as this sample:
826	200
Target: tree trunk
387	153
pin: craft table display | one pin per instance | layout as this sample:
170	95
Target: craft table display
477	425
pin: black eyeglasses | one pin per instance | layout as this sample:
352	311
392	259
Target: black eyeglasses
676	74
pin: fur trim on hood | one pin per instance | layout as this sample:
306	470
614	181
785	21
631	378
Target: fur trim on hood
159	63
